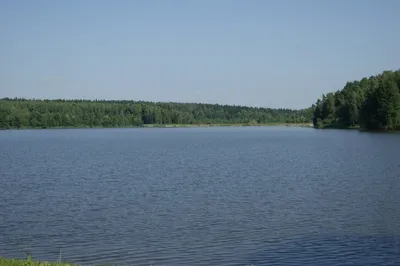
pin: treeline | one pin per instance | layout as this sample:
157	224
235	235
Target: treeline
371	103
30	113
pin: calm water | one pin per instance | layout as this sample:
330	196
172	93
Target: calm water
201	196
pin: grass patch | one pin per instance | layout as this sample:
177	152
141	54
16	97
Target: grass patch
30	262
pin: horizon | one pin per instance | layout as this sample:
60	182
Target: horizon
263	54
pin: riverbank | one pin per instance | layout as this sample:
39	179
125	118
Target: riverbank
309	125
227	125
29	262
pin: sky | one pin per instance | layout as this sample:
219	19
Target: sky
265	53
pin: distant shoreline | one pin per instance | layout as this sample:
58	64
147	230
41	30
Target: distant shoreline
228	125
30	113
360	129
306	125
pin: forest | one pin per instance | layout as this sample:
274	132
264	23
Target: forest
33	113
370	103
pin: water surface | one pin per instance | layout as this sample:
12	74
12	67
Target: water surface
201	196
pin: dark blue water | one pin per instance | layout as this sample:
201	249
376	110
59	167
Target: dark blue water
201	196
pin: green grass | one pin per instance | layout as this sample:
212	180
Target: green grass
30	262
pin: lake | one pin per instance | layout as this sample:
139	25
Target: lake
201	196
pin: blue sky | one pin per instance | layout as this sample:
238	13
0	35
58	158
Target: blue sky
249	52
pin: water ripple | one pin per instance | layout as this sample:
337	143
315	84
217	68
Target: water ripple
215	196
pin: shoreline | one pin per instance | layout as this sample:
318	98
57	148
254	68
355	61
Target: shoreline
306	125
359	129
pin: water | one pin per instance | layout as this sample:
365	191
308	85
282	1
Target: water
201	196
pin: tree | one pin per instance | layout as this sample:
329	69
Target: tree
329	109
388	105
372	103
317	121
3	120
18	113
352	109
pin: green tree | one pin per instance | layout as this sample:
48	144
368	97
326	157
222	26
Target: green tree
352	109
387	98
372	103
19	113
317	121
